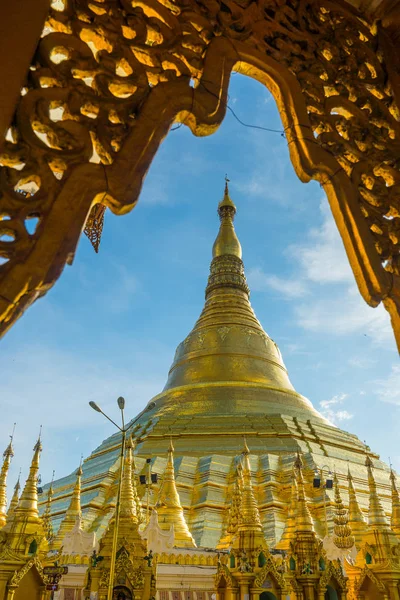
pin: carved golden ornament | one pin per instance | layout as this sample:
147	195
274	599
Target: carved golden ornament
124	565
366	572
104	578
268	569
94	225
223	574
335	573
108	80
20	573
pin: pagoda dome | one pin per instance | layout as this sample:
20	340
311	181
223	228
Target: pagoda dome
228	364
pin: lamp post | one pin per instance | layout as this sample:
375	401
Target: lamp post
123	430
327	485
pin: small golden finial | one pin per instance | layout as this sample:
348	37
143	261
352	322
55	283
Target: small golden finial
298	463
7	456
226	184
80	471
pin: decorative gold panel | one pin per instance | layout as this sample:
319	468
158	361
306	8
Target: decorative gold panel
110	78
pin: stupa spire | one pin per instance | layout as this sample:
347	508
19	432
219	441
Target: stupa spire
228	352
128	504
234	510
28	503
290	524
47	512
249	516
73	511
14	500
138	503
356	518
227	242
376	515
7	456
304	523
343	537
395	520
169	508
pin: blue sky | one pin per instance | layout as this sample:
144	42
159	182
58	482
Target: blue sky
111	324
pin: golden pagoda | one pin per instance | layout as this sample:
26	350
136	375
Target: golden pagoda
228	380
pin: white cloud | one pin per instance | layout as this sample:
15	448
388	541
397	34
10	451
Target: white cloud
337	307
322	256
345	313
330	409
290	288
388	390
362	362
52	387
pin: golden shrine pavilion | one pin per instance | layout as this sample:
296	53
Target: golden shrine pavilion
239	506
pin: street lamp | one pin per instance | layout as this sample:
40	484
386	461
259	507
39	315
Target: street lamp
123	430
327	485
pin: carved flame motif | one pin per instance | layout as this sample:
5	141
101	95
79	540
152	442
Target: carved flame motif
109	78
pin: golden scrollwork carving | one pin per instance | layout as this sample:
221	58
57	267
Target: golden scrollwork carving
367	573
109	78
269	569
332	572
20	573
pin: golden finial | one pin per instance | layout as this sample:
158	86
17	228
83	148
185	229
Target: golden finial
27	505
290	524
298	463
249	517
7	454
395	520
304	521
73	512
48	526
169	506
226	207
227	242
138	503
14	500
234	511
128	504
376	514
343	537
356	519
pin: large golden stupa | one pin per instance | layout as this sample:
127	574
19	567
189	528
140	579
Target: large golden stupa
228	380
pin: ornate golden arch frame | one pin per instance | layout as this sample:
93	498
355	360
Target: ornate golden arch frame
109	78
